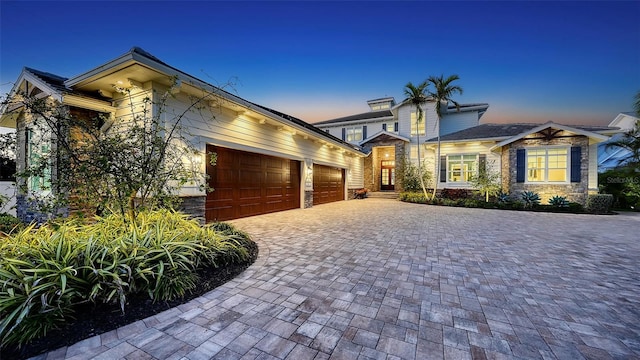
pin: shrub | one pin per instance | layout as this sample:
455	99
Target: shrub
410	179
413	197
46	272
455	194
9	223
599	203
559	201
530	199
503	198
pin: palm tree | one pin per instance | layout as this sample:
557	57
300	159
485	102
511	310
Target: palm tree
417	96
443	92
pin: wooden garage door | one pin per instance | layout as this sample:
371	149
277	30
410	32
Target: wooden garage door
328	184
247	184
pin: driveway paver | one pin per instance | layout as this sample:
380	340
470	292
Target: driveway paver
381	279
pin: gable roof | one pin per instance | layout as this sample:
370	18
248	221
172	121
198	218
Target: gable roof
499	132
370	115
80	87
384	135
378	115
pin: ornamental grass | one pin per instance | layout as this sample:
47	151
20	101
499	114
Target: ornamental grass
45	272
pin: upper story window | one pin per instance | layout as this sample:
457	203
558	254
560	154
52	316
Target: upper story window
378	107
547	164
390	126
417	128
460	168
353	134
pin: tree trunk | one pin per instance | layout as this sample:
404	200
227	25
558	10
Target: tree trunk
436	177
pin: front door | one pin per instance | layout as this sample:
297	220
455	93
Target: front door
387	174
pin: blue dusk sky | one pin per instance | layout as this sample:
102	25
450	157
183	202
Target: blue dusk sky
568	62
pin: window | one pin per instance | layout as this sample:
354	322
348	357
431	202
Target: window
417	128
37	159
378	107
460	168
547	165
390	126
354	134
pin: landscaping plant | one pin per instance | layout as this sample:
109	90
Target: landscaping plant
559	201
530	199
599	203
45	272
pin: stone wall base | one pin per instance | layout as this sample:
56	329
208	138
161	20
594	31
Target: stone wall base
308	199
194	206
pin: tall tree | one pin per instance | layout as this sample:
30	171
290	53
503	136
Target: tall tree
417	96
636	103
444	90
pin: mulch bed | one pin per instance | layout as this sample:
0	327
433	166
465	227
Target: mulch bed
91	320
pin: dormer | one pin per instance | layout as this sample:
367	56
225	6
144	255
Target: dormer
381	104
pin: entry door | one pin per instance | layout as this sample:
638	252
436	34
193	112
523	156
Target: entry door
387	175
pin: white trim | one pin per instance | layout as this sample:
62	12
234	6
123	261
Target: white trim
477	155
355	122
591	135
384	132
546	168
90	104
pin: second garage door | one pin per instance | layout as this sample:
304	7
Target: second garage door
247	184
328	184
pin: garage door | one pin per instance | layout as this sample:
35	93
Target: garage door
328	184
247	184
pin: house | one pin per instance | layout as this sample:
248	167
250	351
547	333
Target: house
266	160
388	133
610	157
549	159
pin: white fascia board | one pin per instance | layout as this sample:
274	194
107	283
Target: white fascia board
134	57
356	122
491	139
593	137
27	76
382	132
90	104
467	109
111	66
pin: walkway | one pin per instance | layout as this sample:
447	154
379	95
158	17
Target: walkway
381	279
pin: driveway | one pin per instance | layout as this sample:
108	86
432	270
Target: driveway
381	279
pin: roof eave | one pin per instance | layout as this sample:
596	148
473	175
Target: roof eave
596	137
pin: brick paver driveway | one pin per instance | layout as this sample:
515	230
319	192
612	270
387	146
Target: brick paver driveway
382	279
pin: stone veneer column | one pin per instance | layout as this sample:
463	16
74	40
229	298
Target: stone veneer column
308	199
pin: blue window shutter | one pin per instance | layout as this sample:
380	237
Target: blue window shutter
576	157
395	126
443	168
344	133
384	127
364	132
521	165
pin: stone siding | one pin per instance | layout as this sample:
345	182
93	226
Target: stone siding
194	206
573	191
308	199
372	171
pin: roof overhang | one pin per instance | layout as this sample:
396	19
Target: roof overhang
137	68
491	139
384	135
594	137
